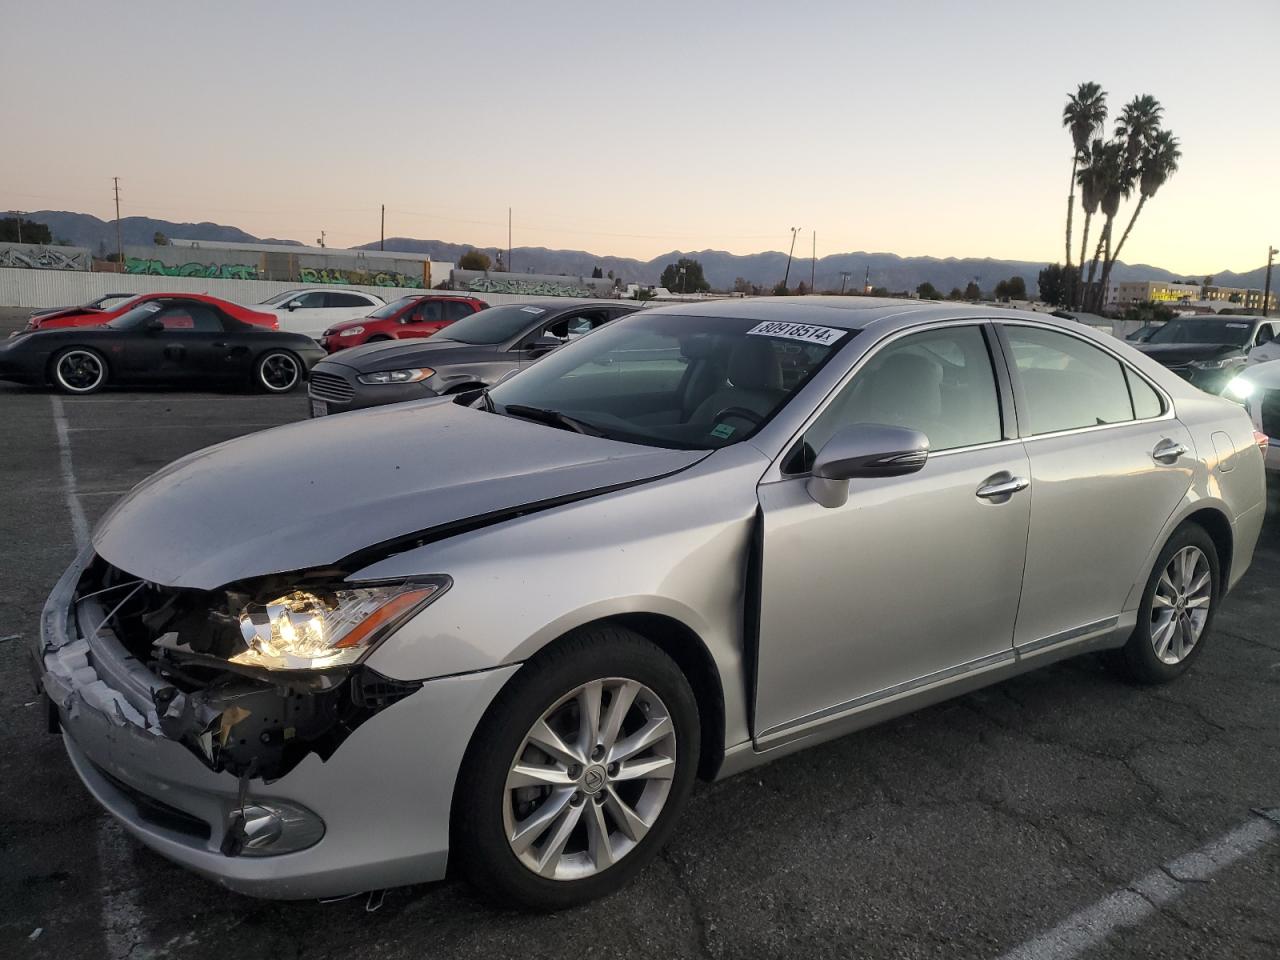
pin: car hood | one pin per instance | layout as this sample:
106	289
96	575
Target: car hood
1175	353
398	354
313	493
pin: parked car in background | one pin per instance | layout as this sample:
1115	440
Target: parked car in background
107	301
471	353
506	637
174	340
312	310
417	315
93	316
1143	333
1258	388
1207	350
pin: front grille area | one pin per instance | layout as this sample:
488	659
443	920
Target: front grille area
331	387
1270	403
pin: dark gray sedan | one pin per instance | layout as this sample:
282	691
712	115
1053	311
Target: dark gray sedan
470	354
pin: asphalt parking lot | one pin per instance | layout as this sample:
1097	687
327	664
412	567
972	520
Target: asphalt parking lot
1061	805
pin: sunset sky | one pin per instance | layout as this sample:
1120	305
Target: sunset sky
634	129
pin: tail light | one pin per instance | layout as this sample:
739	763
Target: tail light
1261	440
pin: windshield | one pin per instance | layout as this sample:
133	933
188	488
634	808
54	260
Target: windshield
280	298
665	380
495	325
392	308
1209	330
136	317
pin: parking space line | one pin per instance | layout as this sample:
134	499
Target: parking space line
1137	902
121	911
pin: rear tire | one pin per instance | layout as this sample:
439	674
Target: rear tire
277	371
79	371
1177	610
550	829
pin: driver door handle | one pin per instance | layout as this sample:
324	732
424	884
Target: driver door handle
1002	485
1168	451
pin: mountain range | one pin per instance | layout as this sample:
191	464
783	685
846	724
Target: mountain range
721	269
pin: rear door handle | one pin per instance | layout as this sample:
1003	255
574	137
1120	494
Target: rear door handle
1002	485
1168	451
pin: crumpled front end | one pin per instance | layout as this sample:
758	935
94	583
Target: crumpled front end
287	784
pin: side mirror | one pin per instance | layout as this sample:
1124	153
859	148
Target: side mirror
543	344
154	325
293	305
864	450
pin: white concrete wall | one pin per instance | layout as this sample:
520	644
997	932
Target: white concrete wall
64	288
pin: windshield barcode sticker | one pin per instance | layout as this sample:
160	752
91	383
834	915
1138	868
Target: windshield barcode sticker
804	332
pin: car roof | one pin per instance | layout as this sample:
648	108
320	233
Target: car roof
853	313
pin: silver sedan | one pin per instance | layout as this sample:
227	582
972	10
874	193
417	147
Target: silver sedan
337	655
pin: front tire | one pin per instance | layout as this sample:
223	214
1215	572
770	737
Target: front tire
79	371
278	371
578	771
1177	610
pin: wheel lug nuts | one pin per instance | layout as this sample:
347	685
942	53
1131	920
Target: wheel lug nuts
644	706
600	797
613	769
576	799
575	772
597	753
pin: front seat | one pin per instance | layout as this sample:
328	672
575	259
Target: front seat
755	382
905	390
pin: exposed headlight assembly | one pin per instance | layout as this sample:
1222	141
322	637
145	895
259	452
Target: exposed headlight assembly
412	375
351	332
312	629
1216	364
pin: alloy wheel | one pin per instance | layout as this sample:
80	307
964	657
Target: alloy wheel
590	779
80	371
1180	605
279	372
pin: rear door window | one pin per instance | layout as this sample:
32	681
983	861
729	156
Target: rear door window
1067	383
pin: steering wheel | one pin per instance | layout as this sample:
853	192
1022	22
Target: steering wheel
742	412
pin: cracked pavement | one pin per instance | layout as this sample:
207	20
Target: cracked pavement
960	831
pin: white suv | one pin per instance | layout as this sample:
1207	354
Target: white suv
312	310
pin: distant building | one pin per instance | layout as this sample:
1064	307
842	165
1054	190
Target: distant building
1202	298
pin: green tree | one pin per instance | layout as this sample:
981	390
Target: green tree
802	290
971	291
1083	116
684	276
1091	178
879	292
32	231
955	294
159	239
597	273
1057	284
1114	182
741	285
927	291
780	290
1156	164
473	260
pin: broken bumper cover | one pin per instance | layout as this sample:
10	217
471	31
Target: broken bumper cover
377	810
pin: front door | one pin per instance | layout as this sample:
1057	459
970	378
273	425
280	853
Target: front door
913	581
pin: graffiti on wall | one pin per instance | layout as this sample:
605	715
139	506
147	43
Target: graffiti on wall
538	288
32	257
219	271
367	278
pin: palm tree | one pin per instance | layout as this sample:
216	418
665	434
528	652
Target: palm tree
1114	182
1084	115
1137	125
1157	163
1091	183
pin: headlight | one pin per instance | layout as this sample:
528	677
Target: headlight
1240	388
314	629
412	375
351	331
1216	364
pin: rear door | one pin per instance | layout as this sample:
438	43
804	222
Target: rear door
1109	465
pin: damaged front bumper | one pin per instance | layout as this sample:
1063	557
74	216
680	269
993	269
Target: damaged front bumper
373	813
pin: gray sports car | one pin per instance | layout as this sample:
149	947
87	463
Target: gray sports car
339	654
469	354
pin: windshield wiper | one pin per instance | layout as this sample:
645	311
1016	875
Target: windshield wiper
553	418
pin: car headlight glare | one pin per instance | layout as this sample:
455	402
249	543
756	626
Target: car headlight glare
412	375
1240	388
315	629
351	332
1215	364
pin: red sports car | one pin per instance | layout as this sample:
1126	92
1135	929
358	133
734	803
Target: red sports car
417	315
91	315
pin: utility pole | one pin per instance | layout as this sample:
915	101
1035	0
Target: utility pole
320	240
813	263
119	240
844	281
866	283
510	267
382	231
787	276
17	218
1266	293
